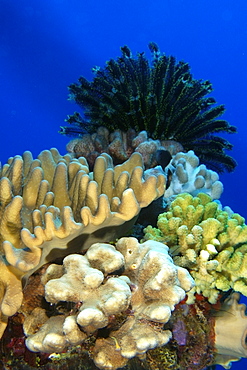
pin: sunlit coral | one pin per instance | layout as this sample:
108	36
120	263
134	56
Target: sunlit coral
150	286
54	204
189	176
207	241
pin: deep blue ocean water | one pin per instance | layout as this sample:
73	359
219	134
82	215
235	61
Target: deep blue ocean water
46	45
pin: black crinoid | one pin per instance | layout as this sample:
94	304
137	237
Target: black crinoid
160	97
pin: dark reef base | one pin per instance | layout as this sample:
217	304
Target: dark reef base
190	349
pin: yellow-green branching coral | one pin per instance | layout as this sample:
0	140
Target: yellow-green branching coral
207	241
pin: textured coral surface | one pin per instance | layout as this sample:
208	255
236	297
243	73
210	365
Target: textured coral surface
207	241
139	300
53	205
152	305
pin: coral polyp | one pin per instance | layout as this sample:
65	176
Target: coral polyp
160	97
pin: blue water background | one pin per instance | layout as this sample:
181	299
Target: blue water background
46	45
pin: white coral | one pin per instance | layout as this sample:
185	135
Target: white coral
161	284
83	283
188	176
149	283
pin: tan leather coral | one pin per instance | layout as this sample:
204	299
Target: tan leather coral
53	206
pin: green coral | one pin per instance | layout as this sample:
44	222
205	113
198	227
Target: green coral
207	241
161	98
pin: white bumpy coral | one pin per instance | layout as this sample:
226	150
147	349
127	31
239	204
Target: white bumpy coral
188	176
138	281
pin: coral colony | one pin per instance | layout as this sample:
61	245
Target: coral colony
88	279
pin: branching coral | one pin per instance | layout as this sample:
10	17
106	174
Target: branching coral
140	300
53	206
207	241
161	98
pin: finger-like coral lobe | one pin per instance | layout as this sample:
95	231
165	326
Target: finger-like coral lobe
53	205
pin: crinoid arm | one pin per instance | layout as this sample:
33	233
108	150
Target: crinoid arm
160	97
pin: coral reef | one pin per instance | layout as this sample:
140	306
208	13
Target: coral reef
161	98
73	295
53	206
207	241
140	300
199	330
